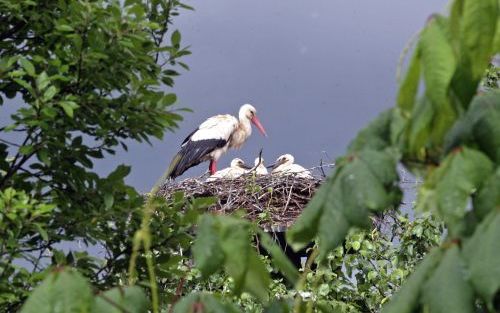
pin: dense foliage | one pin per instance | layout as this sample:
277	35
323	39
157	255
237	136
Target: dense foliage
82	78
62	59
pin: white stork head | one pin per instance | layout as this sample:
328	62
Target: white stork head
249	113
285	159
239	163
260	168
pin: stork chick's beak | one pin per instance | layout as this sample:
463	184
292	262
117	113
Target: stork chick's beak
271	166
256	122
245	166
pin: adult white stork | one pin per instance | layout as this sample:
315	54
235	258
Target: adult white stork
235	170
259	167
212	139
285	165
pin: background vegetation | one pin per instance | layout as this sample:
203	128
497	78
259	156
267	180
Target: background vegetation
92	75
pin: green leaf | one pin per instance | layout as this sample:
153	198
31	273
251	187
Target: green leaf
68	106
438	67
121	299
176	38
447	289
108	200
64	291
406	300
278	257
119	173
207	252
419	128
305	228
361	183
479	126
42	81
409	86
478	27
169	99
43	155
64	28
448	188
241	260
488	197
482	255
27	66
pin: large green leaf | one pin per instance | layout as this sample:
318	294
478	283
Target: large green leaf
207	252
488	197
449	187
241	260
305	227
65	291
479	127
438	67
406	300
121	299
419	129
203	302
478	27
365	182
409	86
225	241
447	289
482	254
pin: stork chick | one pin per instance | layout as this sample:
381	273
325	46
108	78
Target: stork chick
235	170
259	167
285	165
213	138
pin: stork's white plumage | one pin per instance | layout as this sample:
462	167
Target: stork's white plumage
213	138
285	166
235	170
259	167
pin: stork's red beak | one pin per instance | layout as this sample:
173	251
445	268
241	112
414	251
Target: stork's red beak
256	122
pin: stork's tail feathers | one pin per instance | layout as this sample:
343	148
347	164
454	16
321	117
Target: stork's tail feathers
174	169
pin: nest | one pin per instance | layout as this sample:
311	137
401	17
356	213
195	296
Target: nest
272	201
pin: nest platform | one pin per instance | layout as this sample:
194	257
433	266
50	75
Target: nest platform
272	201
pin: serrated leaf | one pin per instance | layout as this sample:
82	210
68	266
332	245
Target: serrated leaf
131	299
447	289
406	300
66	290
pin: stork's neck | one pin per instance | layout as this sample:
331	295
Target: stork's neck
242	132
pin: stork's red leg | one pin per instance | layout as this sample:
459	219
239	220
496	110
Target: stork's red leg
213	167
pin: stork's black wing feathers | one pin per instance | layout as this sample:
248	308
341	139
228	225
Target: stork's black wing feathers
193	153
189	136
